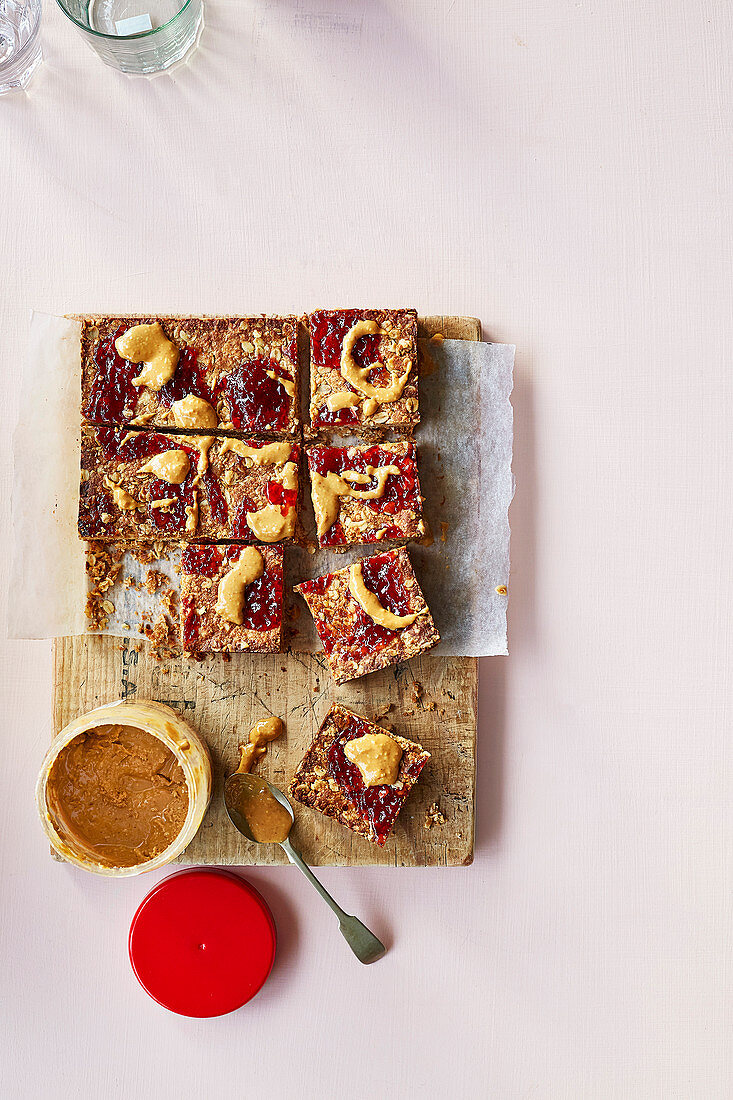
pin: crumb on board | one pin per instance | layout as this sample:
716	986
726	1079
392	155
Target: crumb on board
443	530
433	816
501	589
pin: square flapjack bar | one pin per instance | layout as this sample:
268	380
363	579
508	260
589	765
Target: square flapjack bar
231	598
366	493
363	371
329	782
370	615
192	373
148	486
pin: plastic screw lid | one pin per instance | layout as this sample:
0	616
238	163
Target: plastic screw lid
202	942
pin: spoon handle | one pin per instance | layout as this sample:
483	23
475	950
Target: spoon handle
362	942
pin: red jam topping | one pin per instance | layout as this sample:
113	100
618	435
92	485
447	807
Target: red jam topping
201	561
189	378
318	585
256	401
138	446
328	328
276	493
399	492
378	806
112	392
240	527
263	603
262	598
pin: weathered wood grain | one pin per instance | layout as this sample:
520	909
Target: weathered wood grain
429	699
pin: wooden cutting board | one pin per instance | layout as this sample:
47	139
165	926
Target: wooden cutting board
432	700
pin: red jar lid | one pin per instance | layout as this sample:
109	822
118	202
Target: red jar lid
202	943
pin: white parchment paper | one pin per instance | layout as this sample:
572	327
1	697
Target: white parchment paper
465	453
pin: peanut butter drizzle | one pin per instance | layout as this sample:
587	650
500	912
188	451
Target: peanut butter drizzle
143	418
204	444
149	345
377	756
170	466
358	377
269	454
119	794
192	514
121	497
163	502
344	399
286	383
264	731
193	412
230	596
325	491
369	603
268	523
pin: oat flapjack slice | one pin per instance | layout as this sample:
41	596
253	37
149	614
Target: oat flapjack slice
370	615
358	773
192	373
231	598
363	371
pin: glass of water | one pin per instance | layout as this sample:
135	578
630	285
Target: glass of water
20	43
137	36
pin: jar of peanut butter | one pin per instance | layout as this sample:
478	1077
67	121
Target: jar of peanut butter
124	788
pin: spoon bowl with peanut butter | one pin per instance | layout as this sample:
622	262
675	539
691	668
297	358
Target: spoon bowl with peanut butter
263	815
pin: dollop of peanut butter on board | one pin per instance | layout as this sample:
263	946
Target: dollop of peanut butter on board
252	750
193	412
269	454
230	596
377	756
369	603
358	377
170	466
149	345
325	491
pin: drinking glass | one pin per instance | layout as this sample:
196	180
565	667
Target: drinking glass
137	36
20	44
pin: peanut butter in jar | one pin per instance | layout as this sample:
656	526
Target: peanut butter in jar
124	788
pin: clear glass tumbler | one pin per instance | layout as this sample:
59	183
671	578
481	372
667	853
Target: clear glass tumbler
20	43
137	36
